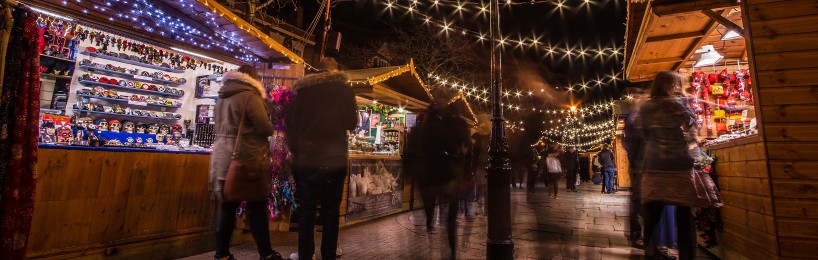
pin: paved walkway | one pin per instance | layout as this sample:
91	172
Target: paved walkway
577	225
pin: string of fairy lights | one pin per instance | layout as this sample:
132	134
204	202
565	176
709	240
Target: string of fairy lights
152	18
534	42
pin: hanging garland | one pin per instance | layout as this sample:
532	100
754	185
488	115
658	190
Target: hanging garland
379	108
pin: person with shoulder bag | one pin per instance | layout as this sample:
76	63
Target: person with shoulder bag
669	130
240	164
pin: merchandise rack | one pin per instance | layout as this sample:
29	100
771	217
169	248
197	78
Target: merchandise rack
131	76
123	100
123	115
93	83
137	63
57	58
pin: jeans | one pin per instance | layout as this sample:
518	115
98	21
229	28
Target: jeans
684	224
259	226
608	172
328	193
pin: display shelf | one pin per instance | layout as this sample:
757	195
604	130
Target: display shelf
55	76
137	63
123	100
123	115
85	82
57	58
131	76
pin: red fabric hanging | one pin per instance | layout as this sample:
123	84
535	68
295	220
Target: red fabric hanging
19	123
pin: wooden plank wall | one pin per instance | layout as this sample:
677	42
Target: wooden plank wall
741	170
140	203
784	46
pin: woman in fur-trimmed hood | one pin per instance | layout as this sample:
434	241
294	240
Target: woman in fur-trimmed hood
241	93
239	87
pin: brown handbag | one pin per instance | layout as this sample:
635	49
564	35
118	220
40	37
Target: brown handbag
690	188
246	180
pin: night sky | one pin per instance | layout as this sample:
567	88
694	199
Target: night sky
576	25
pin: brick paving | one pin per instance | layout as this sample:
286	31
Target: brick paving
577	225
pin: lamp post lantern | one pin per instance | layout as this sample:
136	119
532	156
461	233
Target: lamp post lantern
499	245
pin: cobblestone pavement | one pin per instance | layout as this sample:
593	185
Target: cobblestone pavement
577	225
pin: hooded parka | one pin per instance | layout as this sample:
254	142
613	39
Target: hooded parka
254	147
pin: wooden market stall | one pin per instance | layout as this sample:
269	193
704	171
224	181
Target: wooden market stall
392	97
131	199
768	180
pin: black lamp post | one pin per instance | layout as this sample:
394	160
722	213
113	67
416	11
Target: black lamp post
499	244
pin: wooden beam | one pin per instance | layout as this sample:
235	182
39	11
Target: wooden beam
677	36
662	60
239	22
724	21
647	24
695	46
667	7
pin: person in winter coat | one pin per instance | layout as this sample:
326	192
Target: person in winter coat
633	144
570	164
553	170
668	129
437	158
317	123
241	89
606	158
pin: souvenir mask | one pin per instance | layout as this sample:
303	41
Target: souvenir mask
153	129
85	121
128	127
64	134
160	138
140	129
139	140
101	124
164	129
150	140
109	109
128	111
130	140
118	110
114	126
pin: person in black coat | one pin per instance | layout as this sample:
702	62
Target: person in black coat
317	123
436	156
570	165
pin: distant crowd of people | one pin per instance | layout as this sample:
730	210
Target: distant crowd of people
445	157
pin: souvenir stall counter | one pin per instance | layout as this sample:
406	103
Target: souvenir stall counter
712	47
389	99
126	124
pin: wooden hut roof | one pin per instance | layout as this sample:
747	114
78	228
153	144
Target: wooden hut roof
670	31
398	86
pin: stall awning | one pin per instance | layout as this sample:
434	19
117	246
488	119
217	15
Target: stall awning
398	86
664	35
462	105
200	26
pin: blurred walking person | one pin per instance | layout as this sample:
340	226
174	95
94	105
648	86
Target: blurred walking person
317	124
633	143
606	159
669	131
553	170
436	157
242	127
570	164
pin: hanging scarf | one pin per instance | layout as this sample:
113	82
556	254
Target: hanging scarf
19	113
